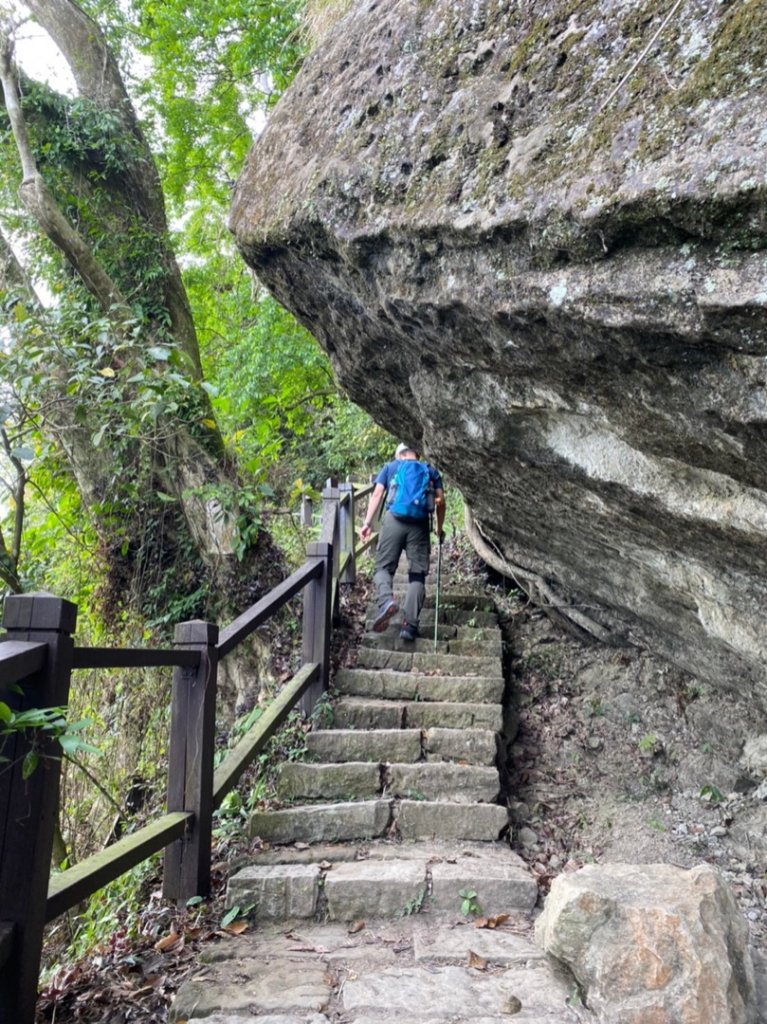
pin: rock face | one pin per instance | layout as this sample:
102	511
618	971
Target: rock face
532	238
652	944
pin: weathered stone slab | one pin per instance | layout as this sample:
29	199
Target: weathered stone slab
349	780
282	988
431	714
435	943
476	648
477	746
269	1018
449	616
425	820
279	892
392	685
365	889
652	942
447	664
392	641
457	993
358	713
321	823
365	745
452	599
443	780
501	887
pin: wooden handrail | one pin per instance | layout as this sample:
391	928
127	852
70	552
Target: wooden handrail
40	648
237	760
19	659
133	657
76	883
254	617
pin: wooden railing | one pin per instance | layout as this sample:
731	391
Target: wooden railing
37	656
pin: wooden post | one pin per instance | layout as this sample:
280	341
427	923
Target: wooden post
28	807
316	635
190	762
346	532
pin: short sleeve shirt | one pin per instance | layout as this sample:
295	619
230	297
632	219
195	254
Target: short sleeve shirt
389	471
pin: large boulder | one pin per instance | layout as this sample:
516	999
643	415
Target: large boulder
652	944
532	238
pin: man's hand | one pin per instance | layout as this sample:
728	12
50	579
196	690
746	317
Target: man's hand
365	531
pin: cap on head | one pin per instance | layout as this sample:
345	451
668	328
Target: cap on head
401	449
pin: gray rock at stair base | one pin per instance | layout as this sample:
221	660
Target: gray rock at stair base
652	943
543	261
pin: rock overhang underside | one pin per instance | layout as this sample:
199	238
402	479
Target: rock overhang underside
533	239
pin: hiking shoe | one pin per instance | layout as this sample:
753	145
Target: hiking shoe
382	619
408	631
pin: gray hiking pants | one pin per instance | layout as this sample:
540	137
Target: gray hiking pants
413	538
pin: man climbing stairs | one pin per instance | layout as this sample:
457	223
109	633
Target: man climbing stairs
389	844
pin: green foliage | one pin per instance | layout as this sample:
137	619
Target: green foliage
39	724
710	794
469	903
414	905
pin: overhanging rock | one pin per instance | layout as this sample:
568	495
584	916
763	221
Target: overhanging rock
532	238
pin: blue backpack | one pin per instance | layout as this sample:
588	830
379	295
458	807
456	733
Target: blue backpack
411	493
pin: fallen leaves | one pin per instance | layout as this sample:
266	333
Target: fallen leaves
476	961
490	922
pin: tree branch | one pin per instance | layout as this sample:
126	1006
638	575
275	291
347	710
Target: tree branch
43	207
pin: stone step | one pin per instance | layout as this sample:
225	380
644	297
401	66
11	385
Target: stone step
474	746
455	600
445	631
367	713
434	780
365	745
413	968
449	616
385	886
454	639
385	684
444	664
408	819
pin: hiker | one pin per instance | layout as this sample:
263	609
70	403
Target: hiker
413	489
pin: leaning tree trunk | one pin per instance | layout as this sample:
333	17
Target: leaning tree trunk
127	478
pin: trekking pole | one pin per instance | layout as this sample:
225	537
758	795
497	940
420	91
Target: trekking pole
436	602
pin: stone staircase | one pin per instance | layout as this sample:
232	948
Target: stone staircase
389	843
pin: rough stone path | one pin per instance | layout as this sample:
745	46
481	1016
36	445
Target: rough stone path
385	886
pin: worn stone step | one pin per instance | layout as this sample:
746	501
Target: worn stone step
365	745
368	713
414	686
434	780
449	616
385	882
445	631
322	822
451	599
474	746
426	819
445	664
392	641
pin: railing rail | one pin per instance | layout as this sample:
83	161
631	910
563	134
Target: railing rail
39	652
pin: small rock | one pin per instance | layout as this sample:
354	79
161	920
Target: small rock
719	830
527	837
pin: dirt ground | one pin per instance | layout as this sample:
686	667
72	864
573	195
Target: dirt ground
618	756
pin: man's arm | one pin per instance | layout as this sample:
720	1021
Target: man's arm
373	505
